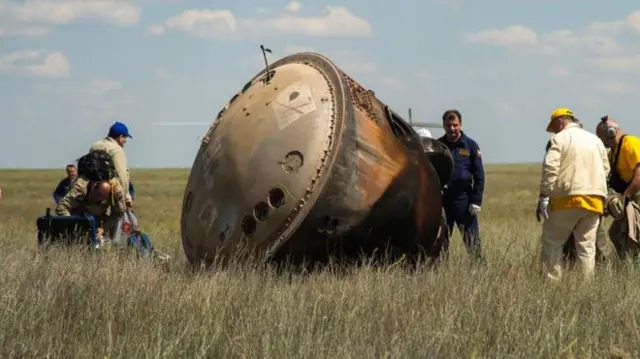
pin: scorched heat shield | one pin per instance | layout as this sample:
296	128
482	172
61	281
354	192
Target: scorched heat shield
304	162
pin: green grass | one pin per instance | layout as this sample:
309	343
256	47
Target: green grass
74	304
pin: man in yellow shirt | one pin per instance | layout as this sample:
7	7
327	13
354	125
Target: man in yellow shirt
624	179
573	188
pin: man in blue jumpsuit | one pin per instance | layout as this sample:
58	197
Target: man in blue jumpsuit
63	186
463	193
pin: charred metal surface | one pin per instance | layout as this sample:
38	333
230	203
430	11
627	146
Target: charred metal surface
361	98
307	165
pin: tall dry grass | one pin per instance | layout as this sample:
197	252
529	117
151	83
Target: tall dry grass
70	303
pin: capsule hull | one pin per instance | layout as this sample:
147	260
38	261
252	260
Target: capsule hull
304	163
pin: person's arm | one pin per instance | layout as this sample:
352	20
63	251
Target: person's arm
120	203
477	172
120	163
70	200
550	168
633	161
634	185
605	160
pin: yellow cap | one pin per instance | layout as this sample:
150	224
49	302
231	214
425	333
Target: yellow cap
558	113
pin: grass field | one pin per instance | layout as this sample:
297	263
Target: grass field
77	305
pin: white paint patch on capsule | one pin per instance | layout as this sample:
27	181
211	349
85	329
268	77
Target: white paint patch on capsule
292	104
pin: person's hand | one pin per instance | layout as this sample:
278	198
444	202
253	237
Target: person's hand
542	209
474	209
100	232
129	204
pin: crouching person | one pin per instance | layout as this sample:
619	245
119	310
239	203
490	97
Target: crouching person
625	180
104	200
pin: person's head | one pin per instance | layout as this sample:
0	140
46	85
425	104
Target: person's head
423	132
452	124
560	118
99	191
119	132
608	131
72	171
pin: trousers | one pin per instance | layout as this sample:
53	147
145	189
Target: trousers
619	235
457	213
604	251
556	230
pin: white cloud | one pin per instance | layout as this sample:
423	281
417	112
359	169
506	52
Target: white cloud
509	36
26	18
101	85
53	64
294	6
586	81
199	23
595	39
121	13
612	28
623	64
23	31
206	23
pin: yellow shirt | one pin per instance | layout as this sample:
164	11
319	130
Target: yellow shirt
629	157
590	203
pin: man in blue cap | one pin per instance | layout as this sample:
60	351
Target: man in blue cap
113	144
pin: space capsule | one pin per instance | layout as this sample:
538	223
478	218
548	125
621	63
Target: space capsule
304	163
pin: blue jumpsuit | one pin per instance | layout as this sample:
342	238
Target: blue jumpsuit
132	190
62	189
465	187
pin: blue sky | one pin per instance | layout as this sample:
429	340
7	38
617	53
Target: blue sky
68	69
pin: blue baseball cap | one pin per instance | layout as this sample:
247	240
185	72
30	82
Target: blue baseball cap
119	129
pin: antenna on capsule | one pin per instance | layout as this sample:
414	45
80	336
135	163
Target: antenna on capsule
269	75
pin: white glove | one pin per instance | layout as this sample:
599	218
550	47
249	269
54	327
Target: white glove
474	209
543	205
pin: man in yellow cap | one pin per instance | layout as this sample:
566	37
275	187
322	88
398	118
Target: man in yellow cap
625	180
603	249
573	188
